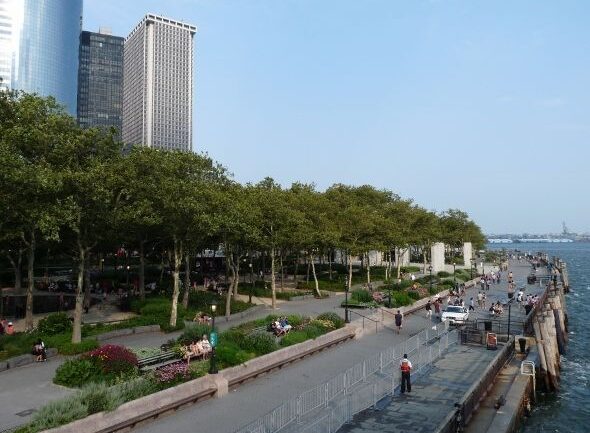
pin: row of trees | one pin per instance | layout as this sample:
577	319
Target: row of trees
80	189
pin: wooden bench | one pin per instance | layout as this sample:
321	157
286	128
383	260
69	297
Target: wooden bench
156	361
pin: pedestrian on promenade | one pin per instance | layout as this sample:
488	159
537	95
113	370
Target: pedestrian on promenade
471	304
406	368
398	320
480	300
429	309
437	303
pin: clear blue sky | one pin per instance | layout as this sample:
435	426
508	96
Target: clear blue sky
478	105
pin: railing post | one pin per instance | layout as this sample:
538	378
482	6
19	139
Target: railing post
380	362
364	371
326	391
299	410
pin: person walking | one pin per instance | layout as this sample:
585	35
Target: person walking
398	320
429	309
406	368
471	305
437	304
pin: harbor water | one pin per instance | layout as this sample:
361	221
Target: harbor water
569	410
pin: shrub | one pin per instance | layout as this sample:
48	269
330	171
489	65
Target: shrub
193	333
113	359
294	337
399	299
314	330
198	369
69	348
99	398
361	296
325	324
332	317
443	274
172	373
230	354
414	295
77	372
136	388
56	413
260	342
296	320
55	323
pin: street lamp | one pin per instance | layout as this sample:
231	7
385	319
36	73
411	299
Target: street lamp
482	269
430	270
128	267
251	284
213	338
509	310
346	318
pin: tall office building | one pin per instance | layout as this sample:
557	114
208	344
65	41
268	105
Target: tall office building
158	84
39	47
100	80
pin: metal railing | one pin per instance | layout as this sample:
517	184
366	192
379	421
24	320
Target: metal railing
326	407
365	317
470	401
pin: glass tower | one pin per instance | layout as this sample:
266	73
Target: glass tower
39	47
100	80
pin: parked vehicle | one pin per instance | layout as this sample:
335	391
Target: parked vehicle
455	315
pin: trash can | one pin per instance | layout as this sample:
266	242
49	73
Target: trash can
522	344
487	325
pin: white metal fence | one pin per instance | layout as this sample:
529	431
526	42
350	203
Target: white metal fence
326	407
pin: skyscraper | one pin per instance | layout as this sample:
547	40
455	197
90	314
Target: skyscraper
158	84
39	47
100	80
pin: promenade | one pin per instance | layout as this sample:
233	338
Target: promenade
27	388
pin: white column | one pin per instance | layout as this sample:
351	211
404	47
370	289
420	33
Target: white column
437	257
467	253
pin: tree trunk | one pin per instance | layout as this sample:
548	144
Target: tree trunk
424	259
399	263
330	253
349	260
308	269
16	263
368	269
272	278
162	268
296	269
282	271
87	285
187	279
315	277
176	281
229	258
141	270
30	283
77	331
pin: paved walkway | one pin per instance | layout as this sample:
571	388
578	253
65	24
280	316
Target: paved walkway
28	388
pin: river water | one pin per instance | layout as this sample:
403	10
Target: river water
569	410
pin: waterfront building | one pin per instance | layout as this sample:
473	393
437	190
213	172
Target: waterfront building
100	80
39	47
158	84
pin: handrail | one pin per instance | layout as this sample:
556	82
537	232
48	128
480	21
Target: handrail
366	317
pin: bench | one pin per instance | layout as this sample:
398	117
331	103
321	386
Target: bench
156	361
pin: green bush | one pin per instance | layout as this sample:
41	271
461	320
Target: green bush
55	323
260	342
230	354
193	332
294	337
77	372
332	317
69	348
136	388
443	274
97	398
360	295
314	330
414	295
399	299
55	414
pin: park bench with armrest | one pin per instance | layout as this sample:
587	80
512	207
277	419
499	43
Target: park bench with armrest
156	361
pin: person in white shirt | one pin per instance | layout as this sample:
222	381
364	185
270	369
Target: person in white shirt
406	367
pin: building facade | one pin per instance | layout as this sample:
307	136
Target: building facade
158	84
100	80
39	47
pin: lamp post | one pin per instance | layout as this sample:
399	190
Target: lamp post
430	270
213	338
509	309
455	275
482	269
127	284
346	318
251	284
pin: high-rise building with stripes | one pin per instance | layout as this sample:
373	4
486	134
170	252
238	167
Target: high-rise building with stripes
158	84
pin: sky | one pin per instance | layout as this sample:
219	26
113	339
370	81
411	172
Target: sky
476	105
